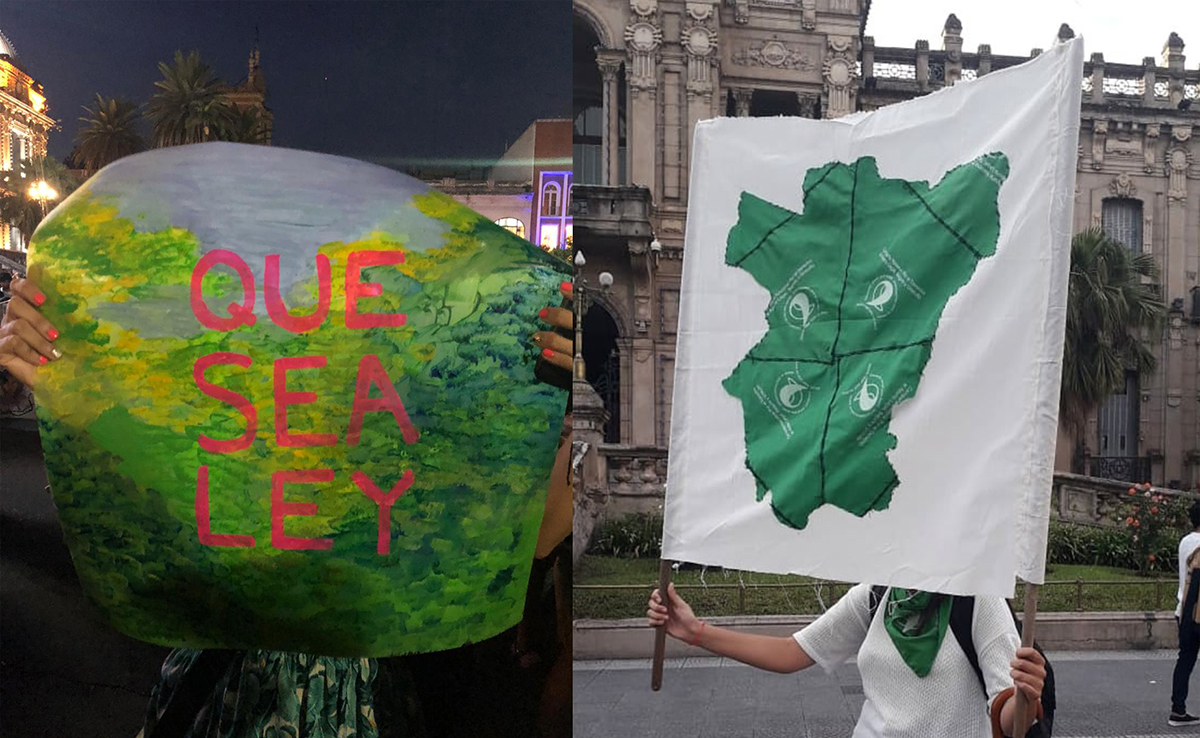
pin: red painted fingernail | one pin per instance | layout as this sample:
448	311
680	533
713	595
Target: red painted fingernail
39	298
565	285
543	313
53	334
42	360
548	353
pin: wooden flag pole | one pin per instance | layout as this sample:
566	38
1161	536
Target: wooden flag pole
1028	622
660	634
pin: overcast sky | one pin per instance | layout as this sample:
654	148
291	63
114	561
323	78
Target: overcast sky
1125	32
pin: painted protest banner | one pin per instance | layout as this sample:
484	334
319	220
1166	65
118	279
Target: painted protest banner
296	408
871	331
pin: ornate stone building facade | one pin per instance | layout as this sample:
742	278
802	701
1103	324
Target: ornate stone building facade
24	123
647	70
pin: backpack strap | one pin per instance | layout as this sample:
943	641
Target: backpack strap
962	615
878	593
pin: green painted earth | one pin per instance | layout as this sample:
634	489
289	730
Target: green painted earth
858	284
121	412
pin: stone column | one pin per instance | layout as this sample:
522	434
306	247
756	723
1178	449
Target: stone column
985	60
643	41
641	367
1178	159
1173	60
1148	80
588	474
700	43
1098	78
952	45
868	57
610	68
923	65
808	103
741	101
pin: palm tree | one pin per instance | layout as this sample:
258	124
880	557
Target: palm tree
1108	308
246	127
189	106
110	133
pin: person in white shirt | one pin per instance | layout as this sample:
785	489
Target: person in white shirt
916	680
1189	630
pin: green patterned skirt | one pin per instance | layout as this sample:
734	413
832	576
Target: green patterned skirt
272	694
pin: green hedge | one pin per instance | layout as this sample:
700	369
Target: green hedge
1092	546
638	536
709	591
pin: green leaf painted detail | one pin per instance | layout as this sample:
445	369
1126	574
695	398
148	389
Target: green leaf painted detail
858	284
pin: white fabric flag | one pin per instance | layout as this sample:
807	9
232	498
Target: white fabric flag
870	336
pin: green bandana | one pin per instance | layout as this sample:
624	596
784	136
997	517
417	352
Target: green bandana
918	635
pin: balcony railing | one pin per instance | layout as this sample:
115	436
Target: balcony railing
918	69
1134	469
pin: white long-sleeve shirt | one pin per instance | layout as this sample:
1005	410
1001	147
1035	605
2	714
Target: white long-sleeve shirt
1186	546
946	702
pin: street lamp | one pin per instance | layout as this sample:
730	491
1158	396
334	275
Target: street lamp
42	192
582	303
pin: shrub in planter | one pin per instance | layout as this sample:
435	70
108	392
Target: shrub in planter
636	536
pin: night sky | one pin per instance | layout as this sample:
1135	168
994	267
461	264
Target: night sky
389	82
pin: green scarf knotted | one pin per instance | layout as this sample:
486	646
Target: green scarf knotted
917	631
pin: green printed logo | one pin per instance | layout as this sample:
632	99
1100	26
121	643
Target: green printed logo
792	392
865	396
817	407
880	299
802	309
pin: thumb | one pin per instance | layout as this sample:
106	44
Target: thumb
676	600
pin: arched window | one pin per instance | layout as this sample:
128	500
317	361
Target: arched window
512	224
551	199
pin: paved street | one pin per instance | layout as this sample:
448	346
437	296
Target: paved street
1099	694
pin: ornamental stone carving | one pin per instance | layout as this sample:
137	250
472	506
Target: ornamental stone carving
741	11
643	40
643	37
1178	160
773	53
700	43
1099	133
1149	144
840	76
1122	186
644	8
700	11
808	15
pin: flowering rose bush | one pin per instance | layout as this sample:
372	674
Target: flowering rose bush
1153	522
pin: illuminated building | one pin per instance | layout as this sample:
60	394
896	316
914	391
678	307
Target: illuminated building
528	190
24	125
252	93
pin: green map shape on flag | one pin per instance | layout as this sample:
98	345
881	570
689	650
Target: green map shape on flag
858	284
